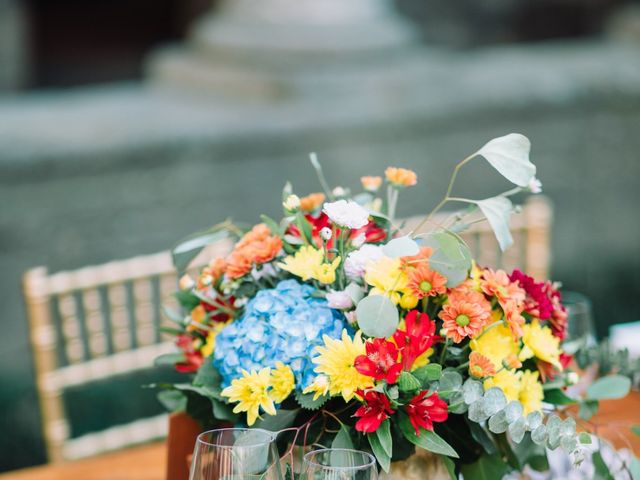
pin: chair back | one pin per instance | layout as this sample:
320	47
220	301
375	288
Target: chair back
92	324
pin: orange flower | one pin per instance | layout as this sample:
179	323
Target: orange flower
463	318
257	233
371	184
480	366
212	273
401	177
513	317
497	283
422	258
424	282
512	362
238	264
312	202
255	247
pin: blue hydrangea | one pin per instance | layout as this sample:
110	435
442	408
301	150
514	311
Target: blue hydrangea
281	324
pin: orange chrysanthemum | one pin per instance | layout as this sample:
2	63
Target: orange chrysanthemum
463	318
496	283
512	362
513	317
312	202
255	247
480	366
422	258
371	184
401	177
424	282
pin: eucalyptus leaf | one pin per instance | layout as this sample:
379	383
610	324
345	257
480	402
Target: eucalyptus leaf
190	247
509	155
403	246
451	256
609	387
498	210
281	420
377	316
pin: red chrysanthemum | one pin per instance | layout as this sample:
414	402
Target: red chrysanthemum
537	302
376	409
417	337
380	361
423	411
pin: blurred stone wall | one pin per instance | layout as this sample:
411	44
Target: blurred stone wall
97	174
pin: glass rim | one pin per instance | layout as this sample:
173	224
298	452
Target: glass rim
307	458
201	436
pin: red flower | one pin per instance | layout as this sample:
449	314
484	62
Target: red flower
375	411
537	302
372	232
548	372
380	362
417	338
423	411
192	358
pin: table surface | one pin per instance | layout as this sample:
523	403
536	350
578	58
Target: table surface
148	462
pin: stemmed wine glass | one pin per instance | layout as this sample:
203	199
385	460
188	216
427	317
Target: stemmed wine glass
339	464
236	454
580	325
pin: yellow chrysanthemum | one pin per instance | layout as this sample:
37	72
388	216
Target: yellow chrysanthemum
496	344
531	393
282	382
308	263
336	361
251	393
319	387
508	381
387	278
540	342
304	263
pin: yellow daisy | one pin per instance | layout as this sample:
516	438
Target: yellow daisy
251	393
496	344
304	263
319	387
282	382
508	381
336	361
531	393
387	278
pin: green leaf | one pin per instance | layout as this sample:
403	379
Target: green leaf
383	458
498	210
480	435
584	438
190	247
609	387
450	466
427	439
343	438
451	256
509	155
222	410
209	377
555	396
187	299
636	430
401	247
305	228
588	408
383	433
168	359
488	467
634	468
272	225
281	420
429	373
173	400
601	469
408	383
377	316
307	402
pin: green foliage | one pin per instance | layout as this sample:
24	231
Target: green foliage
601	470
272	225
498	210
307	402
427	439
377	316
341	441
401	247
187	299
610	360
450	466
451	256
281	420
173	400
509	155
189	248
556	396
305	228
487	467
408	383
588	408
168	359
636	430
429	373
609	387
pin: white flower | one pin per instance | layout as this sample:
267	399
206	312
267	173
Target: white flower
325	233
356	262
347	213
339	299
186	282
339	192
351	317
292	203
359	240
535	185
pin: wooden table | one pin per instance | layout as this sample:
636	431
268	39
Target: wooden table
149	462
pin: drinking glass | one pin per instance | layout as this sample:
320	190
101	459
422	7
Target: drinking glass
339	464
580	327
236	454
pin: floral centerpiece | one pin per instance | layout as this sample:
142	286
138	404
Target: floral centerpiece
337	328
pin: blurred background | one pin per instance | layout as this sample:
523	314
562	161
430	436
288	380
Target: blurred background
126	125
